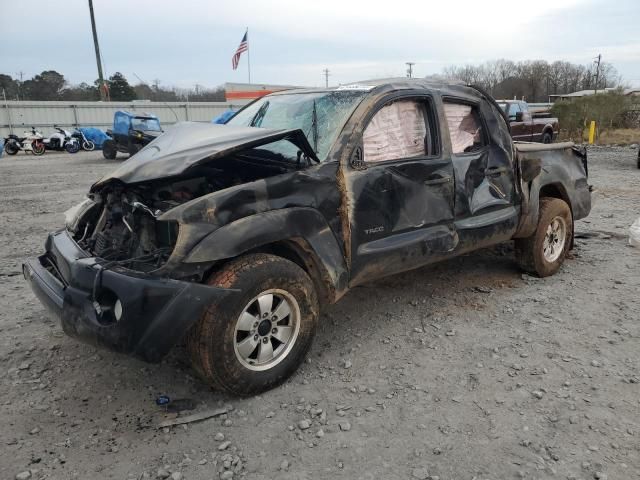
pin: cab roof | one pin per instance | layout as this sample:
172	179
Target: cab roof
137	115
380	84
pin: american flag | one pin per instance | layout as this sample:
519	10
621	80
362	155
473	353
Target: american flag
243	47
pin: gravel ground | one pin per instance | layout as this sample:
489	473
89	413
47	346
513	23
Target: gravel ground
463	370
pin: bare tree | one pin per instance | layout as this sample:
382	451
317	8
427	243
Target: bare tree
533	80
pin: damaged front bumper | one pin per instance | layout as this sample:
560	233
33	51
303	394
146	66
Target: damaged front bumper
115	308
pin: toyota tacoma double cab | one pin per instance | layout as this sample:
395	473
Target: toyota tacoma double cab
231	237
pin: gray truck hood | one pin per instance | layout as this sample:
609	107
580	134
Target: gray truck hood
188	144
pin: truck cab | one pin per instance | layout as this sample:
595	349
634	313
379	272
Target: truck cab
529	126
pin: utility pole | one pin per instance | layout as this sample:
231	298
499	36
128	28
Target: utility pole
103	93
410	69
597	62
325	72
6	106
21	74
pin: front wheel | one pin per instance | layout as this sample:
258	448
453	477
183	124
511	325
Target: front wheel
256	338
544	252
37	148
547	137
72	147
109	149
88	145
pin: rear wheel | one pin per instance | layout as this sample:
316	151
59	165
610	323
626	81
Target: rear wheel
109	149
544	252
547	137
255	338
11	148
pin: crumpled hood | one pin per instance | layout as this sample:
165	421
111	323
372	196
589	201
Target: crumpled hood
188	144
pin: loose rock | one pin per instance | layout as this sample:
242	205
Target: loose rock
345	426
304	424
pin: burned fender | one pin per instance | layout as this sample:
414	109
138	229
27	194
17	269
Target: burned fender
306	227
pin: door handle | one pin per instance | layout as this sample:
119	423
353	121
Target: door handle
494	171
438	181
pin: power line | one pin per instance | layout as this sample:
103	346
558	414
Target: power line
326	74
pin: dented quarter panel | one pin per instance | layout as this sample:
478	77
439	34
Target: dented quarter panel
564	169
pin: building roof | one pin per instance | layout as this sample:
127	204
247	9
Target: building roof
251	91
586	93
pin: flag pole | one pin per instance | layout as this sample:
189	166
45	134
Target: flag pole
248	56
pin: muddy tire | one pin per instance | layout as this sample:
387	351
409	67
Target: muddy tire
255	339
109	150
544	252
547	137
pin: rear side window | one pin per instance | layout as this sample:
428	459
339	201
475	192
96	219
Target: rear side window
465	127
398	130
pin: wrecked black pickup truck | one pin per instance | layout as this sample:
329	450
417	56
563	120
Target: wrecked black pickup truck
231	236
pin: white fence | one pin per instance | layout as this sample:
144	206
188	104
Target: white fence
44	115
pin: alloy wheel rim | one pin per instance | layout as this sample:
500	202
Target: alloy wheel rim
554	239
266	330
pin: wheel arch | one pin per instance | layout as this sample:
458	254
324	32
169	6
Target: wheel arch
299	234
555	190
529	221
299	251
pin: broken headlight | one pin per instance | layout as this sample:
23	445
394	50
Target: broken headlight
73	216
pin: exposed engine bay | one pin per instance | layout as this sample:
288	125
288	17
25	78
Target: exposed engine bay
121	223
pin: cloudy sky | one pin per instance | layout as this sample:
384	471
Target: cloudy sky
185	42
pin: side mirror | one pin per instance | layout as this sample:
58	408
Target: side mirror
518	116
530	168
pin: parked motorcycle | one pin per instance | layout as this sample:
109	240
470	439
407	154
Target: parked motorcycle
28	142
62	140
83	141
